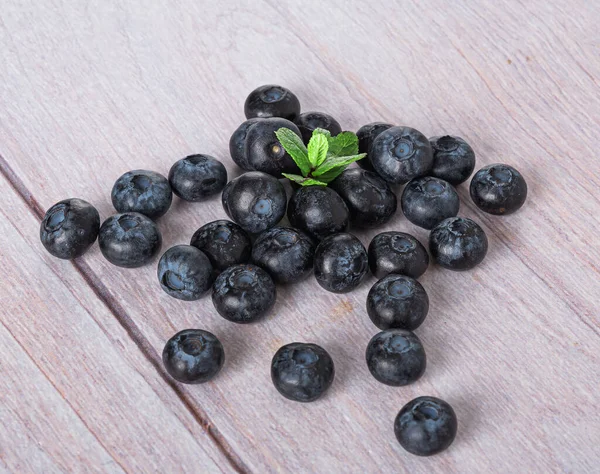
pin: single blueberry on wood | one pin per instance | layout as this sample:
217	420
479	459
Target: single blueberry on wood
197	177
341	263
426	426
427	201
458	243
302	372
185	273
193	356
397	252
272	101
69	228
237	144
366	135
453	159
146	192
309	121
129	240
498	189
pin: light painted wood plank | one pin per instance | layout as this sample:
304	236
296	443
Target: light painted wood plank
91	92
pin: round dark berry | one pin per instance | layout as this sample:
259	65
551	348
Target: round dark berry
193	356
400	154
243	293
458	243
237	144
426	426
453	159
370	200
396	357
129	240
196	177
319	211
142	191
498	189
256	201
272	101
428	201
366	135
309	121
341	263
69	228
302	372
224	243
397	252
397	302
185	273
263	150
285	253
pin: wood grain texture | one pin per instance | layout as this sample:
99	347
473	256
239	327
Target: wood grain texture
89	91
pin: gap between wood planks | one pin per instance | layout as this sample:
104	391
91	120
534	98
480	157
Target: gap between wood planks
100	290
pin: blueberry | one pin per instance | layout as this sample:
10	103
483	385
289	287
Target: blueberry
319	211
366	135
396	357
272	101
396	252
426	426
256	201
458	243
397	302
196	177
69	228
498	189
142	191
224	243
309	121
453	159
370	200
285	253
243	293
193	356
185	273
263	151
129	240
341	263
428	201
237	144
302	372
400	154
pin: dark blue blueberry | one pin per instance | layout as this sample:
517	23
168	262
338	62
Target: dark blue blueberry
263	151
428	201
498	189
319	211
396	357
400	154
237	144
397	302
256	201
366	135
302	372
142	191
243	293
458	243
309	121
129	240
196	177
185	272
341	263
69	228
272	101
453	159
426	426
370	200
224	243
285	253
193	356
397	252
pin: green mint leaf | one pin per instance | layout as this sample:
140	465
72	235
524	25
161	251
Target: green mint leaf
343	144
293	144
322	131
294	177
330	175
304	181
337	162
317	149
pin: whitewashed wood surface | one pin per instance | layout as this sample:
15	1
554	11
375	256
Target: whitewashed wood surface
89	90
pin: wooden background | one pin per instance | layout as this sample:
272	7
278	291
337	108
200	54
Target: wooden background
91	89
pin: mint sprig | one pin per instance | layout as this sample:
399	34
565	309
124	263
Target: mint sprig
325	157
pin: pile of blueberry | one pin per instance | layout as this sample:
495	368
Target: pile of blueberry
243	259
